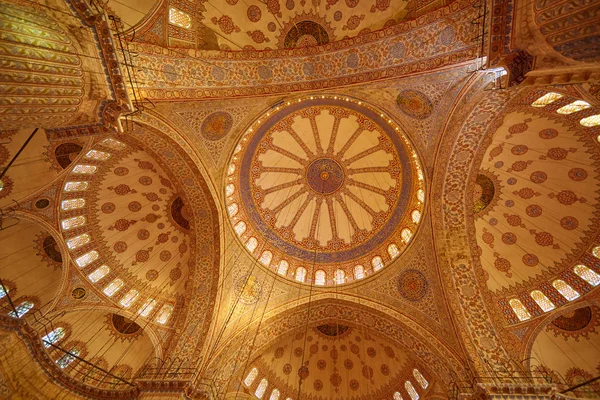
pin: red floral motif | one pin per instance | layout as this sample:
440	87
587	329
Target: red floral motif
503	265
353	22
107	208
253	13
120	247
526	193
548	133
226	24
121	171
330	3
134	206
274	7
143	234
367	372
557	153
496	151
513	220
530	260
566	197
122	225
519	150
509	238
578	174
518	128
145	180
380	5
538	177
519	166
258	36
569	223
533	210
544	238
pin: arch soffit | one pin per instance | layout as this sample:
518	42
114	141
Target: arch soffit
399	328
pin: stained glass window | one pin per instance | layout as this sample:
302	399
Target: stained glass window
72	204
420	378
519	309
261	389
406	234
397	396
282	268
231	169
320	277
421	195
542	301
232	209
129	298
596	251
76	186
251	376
2	292
300	274
265	258
274	395
21	309
1	185
68	358
339	277
113	287
593	120
78	241
99	273
98	155
251	244
164	314
416	216
179	18
113	143
587	274
84	169
240	228
54	336
377	263
359	272
229	189
87	258
74	222
563	288
146	309
411	390
575	106
546	99
393	250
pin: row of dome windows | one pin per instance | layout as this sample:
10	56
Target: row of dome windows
275	394
576	106
561	286
75	222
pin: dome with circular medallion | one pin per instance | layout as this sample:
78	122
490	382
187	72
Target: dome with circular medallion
325	190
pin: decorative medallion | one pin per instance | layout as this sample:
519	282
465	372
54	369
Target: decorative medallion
414	104
216	125
486	192
248	289
575	324
48	250
78	293
412	285
42	203
305	30
333	330
327	182
124	328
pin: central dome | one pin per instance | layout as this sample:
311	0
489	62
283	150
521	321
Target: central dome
325	189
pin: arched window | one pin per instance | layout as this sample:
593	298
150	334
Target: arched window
84	169
54	336
229	189
265	258
397	396
420	378
261	389
68	358
78	241
339	277
179	18
164	314
2	292
565	289
359	272
575	106
72	204
300	274
21	309
113	287
320	277
596	251
113	143
76	186
274	395
377	263
232	209
240	228
393	250
97	155
406	235
421	195
251	244
519	309
129	298
87	259
411	390
71	223
251	376
416	216
542	301
587	274
99	273
231	169
546	99
146	309
593	120
282	268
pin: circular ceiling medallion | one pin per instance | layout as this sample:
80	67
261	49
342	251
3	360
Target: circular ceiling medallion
325	190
